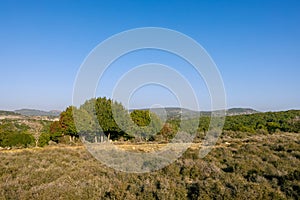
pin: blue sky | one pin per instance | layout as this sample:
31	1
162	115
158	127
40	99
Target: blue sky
255	44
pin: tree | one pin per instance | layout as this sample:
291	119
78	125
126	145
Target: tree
67	123
15	135
167	132
55	131
86	124
145	124
112	118
141	117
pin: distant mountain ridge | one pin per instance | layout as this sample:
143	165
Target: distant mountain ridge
34	112
176	112
240	111
4	112
172	112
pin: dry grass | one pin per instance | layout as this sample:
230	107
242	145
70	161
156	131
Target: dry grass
258	167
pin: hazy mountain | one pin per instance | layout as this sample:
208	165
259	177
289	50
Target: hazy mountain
4	112
176	113
240	111
33	112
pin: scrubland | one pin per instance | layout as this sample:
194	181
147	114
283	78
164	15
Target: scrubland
240	166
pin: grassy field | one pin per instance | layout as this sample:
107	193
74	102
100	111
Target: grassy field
248	167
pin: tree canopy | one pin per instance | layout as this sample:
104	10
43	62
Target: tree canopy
108	117
103	117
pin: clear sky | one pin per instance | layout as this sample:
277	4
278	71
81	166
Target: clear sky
255	44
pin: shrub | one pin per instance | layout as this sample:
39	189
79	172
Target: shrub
44	139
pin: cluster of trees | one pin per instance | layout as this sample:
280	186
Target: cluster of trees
24	133
103	119
269	122
15	135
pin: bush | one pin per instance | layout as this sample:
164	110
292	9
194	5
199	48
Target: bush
15	135
15	139
44	139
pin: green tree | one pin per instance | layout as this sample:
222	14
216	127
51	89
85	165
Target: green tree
67	123
145	124
65	126
15	135
141	117
55	131
44	137
102	116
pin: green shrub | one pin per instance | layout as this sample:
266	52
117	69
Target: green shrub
15	135
16	139
44	139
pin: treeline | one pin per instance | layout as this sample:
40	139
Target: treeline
104	116
24	133
103	119
269	122
15	135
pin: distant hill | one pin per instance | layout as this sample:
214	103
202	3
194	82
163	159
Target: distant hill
240	111
172	112
176	113
33	112
4	112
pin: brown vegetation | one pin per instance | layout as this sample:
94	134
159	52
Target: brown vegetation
249	167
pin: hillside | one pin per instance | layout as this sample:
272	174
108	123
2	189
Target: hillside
240	111
4	112
176	113
172	112
33	112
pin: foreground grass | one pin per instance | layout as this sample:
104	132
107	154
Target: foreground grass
251	167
